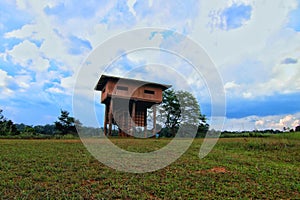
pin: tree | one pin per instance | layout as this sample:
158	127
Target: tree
66	124
203	127
170	111
46	129
1	116
297	129
7	127
190	109
181	108
29	130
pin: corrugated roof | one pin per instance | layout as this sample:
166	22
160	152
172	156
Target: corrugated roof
104	78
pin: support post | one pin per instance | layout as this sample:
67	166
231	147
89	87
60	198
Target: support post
145	123
110	117
154	119
105	120
133	117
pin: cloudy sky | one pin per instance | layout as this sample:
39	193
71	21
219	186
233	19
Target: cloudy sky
255	46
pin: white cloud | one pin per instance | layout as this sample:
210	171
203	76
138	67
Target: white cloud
260	122
54	47
279	122
28	55
3	78
24	81
11	85
247	95
21	4
54	41
276	122
55	90
240	124
5	91
265	40
295	123
68	84
231	85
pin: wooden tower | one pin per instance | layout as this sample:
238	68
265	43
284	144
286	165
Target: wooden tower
126	103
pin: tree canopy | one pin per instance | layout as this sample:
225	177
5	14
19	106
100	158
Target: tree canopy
66	124
181	108
7	127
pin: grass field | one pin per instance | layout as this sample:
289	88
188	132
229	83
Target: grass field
242	168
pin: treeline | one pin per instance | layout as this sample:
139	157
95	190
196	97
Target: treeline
50	131
64	127
254	133
258	133
267	131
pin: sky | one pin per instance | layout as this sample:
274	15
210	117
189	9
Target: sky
254	45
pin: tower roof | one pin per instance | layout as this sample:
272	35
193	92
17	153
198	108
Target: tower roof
104	78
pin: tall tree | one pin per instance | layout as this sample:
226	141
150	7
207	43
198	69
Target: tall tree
7	127
181	108
169	111
66	124
2	118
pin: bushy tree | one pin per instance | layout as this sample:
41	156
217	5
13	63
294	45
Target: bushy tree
25	129
47	129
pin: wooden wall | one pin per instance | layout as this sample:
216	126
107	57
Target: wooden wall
149	93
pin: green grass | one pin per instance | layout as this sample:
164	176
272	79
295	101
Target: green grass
289	136
239	168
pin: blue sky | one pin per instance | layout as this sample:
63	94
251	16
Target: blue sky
254	45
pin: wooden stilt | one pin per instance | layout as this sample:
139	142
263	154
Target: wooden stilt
145	122
110	118
133	118
105	120
154	120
